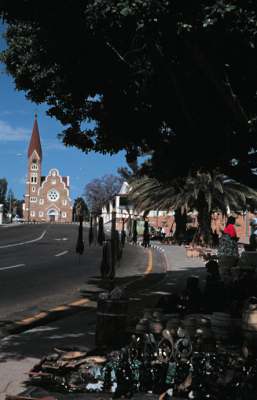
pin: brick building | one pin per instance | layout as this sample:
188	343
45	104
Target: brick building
47	197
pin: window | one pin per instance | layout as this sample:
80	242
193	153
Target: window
33	189
33	178
41	201
32	213
53	181
34	167
153	213
33	199
64	214
124	201
53	195
41	214
64	202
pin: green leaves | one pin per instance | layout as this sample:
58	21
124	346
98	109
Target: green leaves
149	62
209	190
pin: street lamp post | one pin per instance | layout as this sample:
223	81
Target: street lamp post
10	207
1	213
113	241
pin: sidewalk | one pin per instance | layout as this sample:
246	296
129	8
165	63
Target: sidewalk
150	274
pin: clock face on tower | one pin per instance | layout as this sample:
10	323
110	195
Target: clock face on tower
53	195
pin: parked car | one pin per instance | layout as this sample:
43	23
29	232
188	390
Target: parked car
18	219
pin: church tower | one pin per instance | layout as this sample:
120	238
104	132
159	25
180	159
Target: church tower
34	173
47	198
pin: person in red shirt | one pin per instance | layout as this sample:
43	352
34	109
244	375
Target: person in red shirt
228	240
230	228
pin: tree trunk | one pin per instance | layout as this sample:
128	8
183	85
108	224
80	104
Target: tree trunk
180	220
204	221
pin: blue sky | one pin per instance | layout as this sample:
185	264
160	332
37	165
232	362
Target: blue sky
16	122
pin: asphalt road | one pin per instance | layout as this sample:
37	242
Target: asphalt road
39	267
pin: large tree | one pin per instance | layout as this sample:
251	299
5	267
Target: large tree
3	190
100	191
80	208
174	78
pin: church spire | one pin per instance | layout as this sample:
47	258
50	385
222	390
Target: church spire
35	143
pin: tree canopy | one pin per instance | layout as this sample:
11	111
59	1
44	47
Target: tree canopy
80	208
3	190
175	79
100	191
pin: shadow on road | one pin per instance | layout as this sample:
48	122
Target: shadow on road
78	329
73	331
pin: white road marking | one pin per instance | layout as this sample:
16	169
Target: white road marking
12	266
62	253
61	238
22	243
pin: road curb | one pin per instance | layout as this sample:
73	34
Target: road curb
65	310
44	317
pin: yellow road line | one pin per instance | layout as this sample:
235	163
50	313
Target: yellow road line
43	314
150	262
59	308
80	302
32	319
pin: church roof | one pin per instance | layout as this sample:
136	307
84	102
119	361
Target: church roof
124	188
35	143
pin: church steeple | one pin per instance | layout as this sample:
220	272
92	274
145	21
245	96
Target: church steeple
35	144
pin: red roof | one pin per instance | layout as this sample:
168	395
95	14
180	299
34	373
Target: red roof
35	143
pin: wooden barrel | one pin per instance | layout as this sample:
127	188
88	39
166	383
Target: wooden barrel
111	322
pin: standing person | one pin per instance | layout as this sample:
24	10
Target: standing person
163	233
253	223
253	238
134	233
146	235
228	240
171	231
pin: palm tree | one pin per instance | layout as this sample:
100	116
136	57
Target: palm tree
202	191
